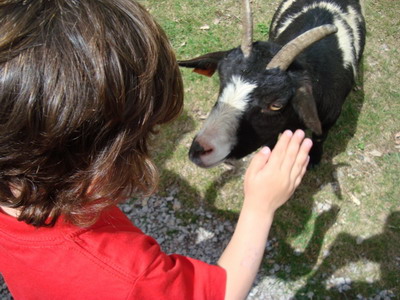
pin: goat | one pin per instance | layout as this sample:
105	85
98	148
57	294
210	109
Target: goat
311	58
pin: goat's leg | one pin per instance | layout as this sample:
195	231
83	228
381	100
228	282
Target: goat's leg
317	149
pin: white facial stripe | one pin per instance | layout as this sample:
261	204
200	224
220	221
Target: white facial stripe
219	130
351	18
236	93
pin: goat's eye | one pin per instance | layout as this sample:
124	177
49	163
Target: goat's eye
272	107
275	106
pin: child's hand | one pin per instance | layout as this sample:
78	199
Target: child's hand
271	178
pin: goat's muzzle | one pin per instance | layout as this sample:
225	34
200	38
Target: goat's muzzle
198	151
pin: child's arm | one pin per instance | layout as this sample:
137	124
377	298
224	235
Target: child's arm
270	180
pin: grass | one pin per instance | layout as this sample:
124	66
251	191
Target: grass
358	235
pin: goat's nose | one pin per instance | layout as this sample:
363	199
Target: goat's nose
198	150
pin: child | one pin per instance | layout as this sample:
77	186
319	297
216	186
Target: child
83	84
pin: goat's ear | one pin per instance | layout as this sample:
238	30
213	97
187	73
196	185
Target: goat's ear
205	65
304	105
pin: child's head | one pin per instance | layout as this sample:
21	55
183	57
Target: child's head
82	85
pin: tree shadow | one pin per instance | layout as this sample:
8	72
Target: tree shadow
347	249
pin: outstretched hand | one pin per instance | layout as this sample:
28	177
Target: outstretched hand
272	177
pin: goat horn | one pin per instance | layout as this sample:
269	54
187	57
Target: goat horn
247	37
289	52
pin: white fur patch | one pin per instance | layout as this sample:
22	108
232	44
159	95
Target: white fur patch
236	93
219	130
282	9
354	19
346	44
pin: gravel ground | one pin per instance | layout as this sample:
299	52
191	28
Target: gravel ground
200	234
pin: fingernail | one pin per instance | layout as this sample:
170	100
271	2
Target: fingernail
300	133
308	142
288	133
266	150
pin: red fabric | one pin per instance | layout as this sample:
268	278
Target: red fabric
112	259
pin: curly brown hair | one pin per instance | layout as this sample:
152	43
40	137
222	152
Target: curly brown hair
83	83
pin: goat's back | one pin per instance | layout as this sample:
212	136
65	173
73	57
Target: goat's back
294	17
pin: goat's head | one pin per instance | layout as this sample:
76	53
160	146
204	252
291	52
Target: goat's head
259	97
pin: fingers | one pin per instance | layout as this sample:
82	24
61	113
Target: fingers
301	162
280	148
293	150
290	155
302	172
259	160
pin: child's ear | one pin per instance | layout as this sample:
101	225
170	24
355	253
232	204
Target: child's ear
205	65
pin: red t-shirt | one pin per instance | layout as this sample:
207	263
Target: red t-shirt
112	259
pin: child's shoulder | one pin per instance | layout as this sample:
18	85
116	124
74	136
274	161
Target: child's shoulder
114	239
